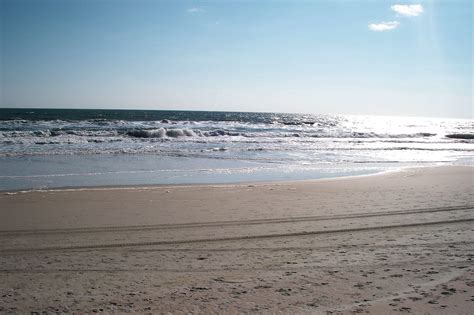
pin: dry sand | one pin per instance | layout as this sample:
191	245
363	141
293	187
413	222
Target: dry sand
390	243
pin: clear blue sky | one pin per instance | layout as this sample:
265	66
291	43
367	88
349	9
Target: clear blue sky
354	57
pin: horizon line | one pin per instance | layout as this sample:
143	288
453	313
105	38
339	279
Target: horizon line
234	111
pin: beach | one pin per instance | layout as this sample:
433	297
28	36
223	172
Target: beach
236	157
399	241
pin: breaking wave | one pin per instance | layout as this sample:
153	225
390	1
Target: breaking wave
244	136
175	133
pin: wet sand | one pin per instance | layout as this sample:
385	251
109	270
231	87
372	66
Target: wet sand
389	243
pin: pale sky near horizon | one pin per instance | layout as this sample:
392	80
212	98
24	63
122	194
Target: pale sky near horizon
409	58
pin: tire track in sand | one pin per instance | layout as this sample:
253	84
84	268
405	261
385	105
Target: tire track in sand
232	238
235	222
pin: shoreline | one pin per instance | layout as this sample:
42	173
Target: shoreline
224	184
236	200
184	185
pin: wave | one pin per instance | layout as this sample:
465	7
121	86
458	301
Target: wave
175	133
319	127
461	136
58	136
208	135
159	133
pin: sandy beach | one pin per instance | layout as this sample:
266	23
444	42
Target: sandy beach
236	157
388	243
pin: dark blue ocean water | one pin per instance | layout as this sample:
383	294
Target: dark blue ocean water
41	148
150	115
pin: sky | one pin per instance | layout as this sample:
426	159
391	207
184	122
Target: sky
411	58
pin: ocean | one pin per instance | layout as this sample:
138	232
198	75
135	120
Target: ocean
51	148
